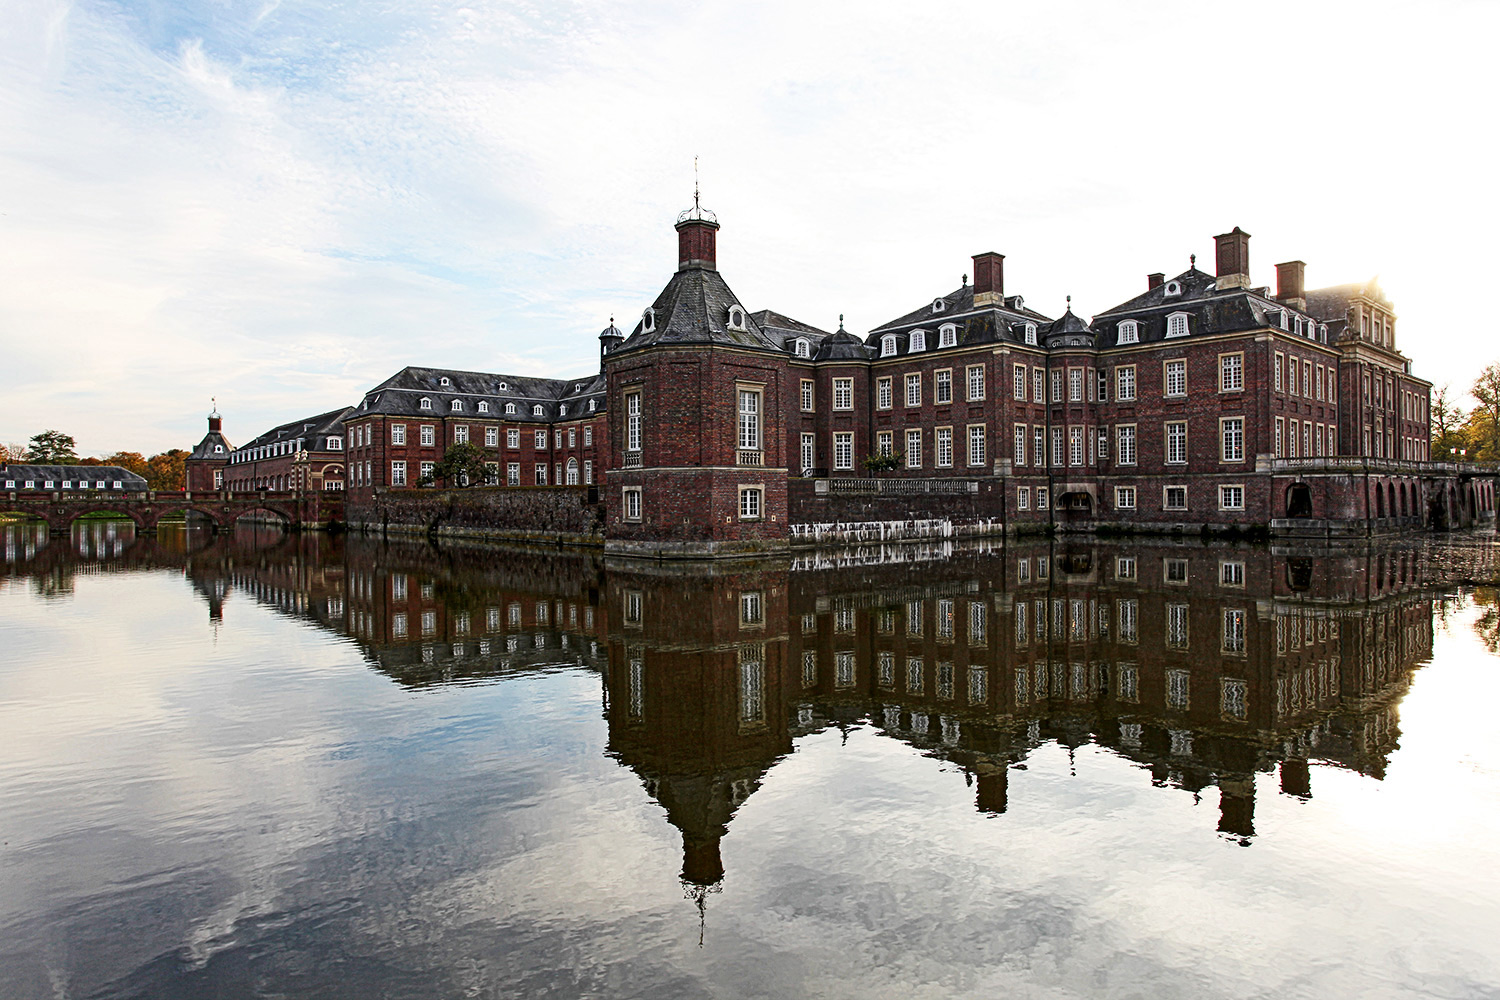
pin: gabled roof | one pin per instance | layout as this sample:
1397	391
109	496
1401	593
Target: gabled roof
693	308
73	473
1208	308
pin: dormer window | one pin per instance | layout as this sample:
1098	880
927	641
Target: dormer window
1297	325
1285	320
1031	334
445	380
1130	332
947	335
335	444
562	411
1177	325
424	404
648	320
888	345
592	405
578	387
510	408
218	449
503	387
536	411
484	407
938	305
736	318
802	348
1323	332
1171	288
456	405
916	342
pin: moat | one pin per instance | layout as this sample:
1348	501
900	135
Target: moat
300	765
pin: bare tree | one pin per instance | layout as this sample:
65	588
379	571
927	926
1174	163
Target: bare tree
1447	416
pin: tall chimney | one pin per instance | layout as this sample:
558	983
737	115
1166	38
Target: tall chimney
1232	257
1154	280
1290	285
989	279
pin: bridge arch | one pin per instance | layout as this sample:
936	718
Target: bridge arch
63	521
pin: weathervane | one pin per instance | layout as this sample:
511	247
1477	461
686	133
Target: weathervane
695	181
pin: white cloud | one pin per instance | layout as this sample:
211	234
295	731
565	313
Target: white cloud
281	204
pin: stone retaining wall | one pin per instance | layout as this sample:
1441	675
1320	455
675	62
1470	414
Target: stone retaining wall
569	514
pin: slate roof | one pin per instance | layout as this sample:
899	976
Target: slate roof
1003	323
842	345
403	392
205	449
786	331
73	473
312	431
693	308
1209	310
1068	331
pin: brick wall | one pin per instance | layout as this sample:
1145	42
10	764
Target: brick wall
551	513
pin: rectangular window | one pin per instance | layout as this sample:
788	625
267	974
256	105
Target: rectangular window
1231	372
425	471
1125	444
807	395
843	450
1125	383
1307	379
513	474
1232	574
557	438
1280	436
1231	498
541	474
513	437
1020	445
1018	383
809	459
539	440
1234	630
588	436
976	382
749	414
883	393
914	389
976	444
1075	445
588	471
884	445
1128	613
942	444
1175	378
1043	498
398	433
1125	498
1102	377
632	495
572	437
1276	377
1176	442
398	473
750	502
1174	498
1038	381
427	435
492	437
1075	385
1057	446
1023	498
1232	439
1057	396
461	434
913	449
942	386
843	394
633	421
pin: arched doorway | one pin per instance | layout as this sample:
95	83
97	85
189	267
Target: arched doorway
1299	501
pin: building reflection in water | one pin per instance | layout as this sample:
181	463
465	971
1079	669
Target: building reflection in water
1204	665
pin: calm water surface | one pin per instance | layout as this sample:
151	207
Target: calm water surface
295	766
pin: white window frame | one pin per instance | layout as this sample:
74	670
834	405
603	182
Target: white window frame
752	502
1231	496
942	447
843	394
1174	370
976	438
843	450
1231	439
974	376
1177	325
884	393
1125	384
1174	442
630	503
1129	332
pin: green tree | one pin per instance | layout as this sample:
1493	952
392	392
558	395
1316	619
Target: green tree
1486	389
52	448
462	465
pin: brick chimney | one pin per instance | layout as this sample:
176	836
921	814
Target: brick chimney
1154	280
1232	256
215	423
989	279
696	241
1289	284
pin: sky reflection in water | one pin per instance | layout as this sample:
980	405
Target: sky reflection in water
231	772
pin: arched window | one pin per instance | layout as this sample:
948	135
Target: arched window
1171	288
456	405
444	381
888	345
736	318
1129	332
648	320
484	407
510	408
536	411
572	472
947	335
802	348
425	403
562	411
938	305
1177	325
916	341
1031	334
592	405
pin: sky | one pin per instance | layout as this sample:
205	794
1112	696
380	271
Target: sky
277	205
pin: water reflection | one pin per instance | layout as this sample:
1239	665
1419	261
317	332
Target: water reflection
1202	667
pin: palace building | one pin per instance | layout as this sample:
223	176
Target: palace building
1204	402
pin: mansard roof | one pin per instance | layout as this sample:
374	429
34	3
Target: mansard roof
1003	323
560	399
73	473
312	431
694	308
211	441
1208	308
787	331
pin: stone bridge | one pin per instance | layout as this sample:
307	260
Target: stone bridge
308	510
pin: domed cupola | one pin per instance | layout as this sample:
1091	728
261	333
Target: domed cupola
1068	331
841	345
610	338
